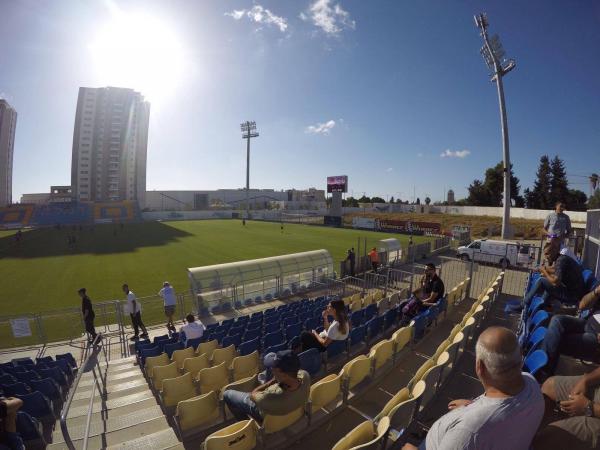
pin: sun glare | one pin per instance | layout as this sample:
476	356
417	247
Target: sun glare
139	52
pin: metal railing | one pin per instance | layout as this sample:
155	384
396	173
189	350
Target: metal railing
90	363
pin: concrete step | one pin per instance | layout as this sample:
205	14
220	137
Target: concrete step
115	390
126	435
79	407
78	415
99	426
162	440
121	377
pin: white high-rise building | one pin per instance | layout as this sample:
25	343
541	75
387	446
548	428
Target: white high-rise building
8	123
110	145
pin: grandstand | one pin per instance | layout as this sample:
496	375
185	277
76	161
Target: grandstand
16	216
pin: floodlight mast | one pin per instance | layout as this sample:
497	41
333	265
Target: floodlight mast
248	132
493	55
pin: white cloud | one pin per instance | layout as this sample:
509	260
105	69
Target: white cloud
455	154
260	15
389	169
320	128
329	17
420	155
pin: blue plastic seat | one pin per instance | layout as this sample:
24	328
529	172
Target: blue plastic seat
170	348
235	340
273	339
535	340
27	376
148	352
336	348
38	406
251	334
370	311
389	318
30	430
257	325
69	357
143	343
541	318
44	359
535	361
65	368
293	330
357	317
18	388
272	327
56	374
245	348
312	323
310	360
211	326
274	318
194	343
276	348
257	316
374	326
420	322
157	339
236	329
49	388
218	335
357	335
291	320
442	304
7	378
162	344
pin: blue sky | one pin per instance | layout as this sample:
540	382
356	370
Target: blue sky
376	90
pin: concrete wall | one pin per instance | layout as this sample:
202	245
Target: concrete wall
517	213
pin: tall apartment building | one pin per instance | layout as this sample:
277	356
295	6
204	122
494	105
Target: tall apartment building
8	123
110	145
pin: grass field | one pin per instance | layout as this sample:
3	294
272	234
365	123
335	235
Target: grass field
42	273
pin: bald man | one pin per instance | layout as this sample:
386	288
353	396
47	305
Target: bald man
505	416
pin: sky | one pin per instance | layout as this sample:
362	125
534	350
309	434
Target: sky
392	93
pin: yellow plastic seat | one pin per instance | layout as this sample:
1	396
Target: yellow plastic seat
421	372
273	424
223	355
179	356
401	396
195	364
161	373
402	338
377	296
177	389
213	378
402	413
324	392
197	411
207	347
243	385
356	371
245	366
154	361
381	353
366	435
237	436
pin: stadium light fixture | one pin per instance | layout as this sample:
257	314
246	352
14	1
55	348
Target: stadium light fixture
248	129
494	56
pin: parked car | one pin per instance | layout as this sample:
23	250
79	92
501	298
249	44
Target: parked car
503	253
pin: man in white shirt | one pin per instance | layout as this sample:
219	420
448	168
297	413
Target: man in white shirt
168	295
135	311
509	412
193	329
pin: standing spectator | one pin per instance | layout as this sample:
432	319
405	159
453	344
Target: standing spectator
374	257
557	224
192	330
9	438
351	259
135	311
88	314
506	415
168	295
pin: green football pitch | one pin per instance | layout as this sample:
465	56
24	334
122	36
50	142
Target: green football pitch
43	272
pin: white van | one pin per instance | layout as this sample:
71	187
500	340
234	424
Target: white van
503	253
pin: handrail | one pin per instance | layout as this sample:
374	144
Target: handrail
82	369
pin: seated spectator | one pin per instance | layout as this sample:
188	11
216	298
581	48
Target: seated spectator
192	330
335	331
286	391
9	438
572	418
574	336
506	415
431	290
561	281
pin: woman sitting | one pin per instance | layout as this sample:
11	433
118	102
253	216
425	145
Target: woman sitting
335	331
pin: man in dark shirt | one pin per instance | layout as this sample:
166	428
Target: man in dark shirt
432	285
88	313
561	280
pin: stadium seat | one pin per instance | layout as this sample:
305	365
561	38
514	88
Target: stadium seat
370	311
172	347
65	368
147	353
245	366
161	373
177	389
272	327
37	405
401	338
232	340
244	385
419	323
161	338
271	318
354	372
218	336
357	317
49	388
213	378
401	413
535	340
7	378
535	361
374	327
44	359
276	348
193	343
291	321
207	347
541	318
400	397
56	374
432	376
293	330
357	337
30	431
381	353
366	435
389	318
310	360
155	361
237	436
29	375
272	424
195	364
197	412
324	392
223	355
273	339
14	389
335	348
245	348
312	323
179	356
251	334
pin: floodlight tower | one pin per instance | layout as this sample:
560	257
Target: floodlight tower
248	132
493	54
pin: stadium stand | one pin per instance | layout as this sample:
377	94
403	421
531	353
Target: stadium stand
61	213
16	216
